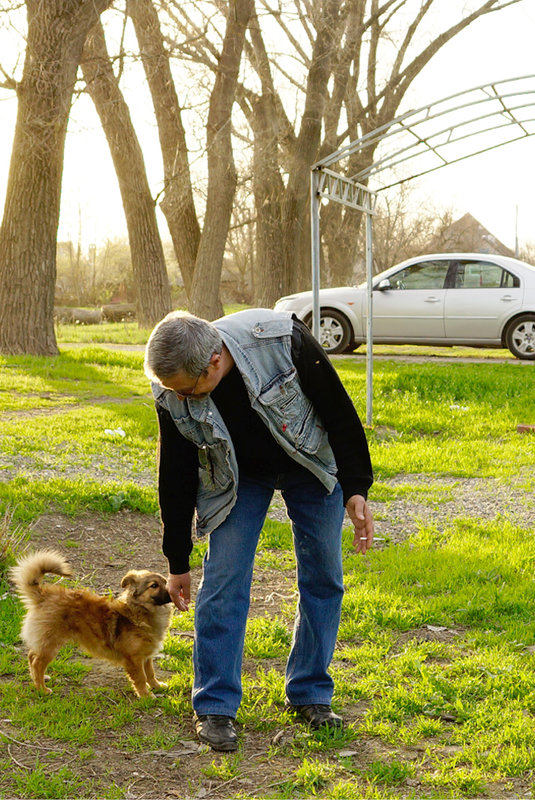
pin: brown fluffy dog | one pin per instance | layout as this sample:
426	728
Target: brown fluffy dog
127	630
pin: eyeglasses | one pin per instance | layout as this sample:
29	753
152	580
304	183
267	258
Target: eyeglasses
185	393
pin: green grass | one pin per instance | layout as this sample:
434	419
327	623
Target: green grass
445	419
124	333
433	668
39	782
454	351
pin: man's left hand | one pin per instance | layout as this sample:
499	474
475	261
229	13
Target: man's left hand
361	517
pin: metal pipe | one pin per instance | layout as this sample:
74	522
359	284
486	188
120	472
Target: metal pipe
315	246
369	327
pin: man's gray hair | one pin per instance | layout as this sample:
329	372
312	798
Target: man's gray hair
180	342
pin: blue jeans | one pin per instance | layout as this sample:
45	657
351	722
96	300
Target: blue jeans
223	597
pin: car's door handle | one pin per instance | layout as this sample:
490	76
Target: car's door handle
507	298
432	299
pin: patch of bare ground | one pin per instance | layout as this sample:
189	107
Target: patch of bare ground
57	408
177	772
480	498
102	549
442	499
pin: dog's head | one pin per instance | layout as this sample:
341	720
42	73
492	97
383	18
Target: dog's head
145	587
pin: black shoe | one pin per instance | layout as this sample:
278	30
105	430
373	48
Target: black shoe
218	731
318	715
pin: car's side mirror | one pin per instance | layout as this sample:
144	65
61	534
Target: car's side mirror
384	284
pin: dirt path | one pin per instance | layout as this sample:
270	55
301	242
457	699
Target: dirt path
356	356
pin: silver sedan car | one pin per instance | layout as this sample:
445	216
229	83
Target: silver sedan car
442	299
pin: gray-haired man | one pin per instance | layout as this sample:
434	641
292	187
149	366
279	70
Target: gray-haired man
246	405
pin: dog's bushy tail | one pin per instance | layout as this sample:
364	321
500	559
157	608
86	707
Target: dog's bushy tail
28	572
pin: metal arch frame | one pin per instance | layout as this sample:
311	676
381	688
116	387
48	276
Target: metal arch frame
438	132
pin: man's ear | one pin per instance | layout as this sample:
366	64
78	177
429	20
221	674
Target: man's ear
215	358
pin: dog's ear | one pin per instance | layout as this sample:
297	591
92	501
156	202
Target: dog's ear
130	578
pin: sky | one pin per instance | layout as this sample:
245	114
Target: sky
496	188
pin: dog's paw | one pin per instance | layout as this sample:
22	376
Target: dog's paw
143	693
161	686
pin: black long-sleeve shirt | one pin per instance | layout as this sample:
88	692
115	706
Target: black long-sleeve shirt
257	452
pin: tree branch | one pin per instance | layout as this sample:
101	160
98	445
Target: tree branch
404	79
9	82
304	12
277	15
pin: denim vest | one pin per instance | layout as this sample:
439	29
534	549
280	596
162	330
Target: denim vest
259	341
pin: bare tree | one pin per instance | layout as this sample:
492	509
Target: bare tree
241	249
527	253
153	298
57	30
335	70
352	86
178	203
200	254
402	230
221	168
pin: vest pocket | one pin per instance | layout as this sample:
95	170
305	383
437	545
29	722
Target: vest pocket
291	412
284	398
310	433
214	467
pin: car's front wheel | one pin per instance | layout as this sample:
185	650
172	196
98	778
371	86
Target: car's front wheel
335	330
520	337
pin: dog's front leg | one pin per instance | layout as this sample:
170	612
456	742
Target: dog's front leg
151	678
136	674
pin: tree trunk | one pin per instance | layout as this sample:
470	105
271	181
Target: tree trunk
153	298
56	33
205	300
177	204
268	190
341	227
305	152
265	116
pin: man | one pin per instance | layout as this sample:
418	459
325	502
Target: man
246	405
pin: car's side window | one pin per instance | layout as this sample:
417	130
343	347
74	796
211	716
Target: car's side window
509	280
424	275
483	275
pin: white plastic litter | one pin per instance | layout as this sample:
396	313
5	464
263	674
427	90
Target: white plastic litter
115	431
